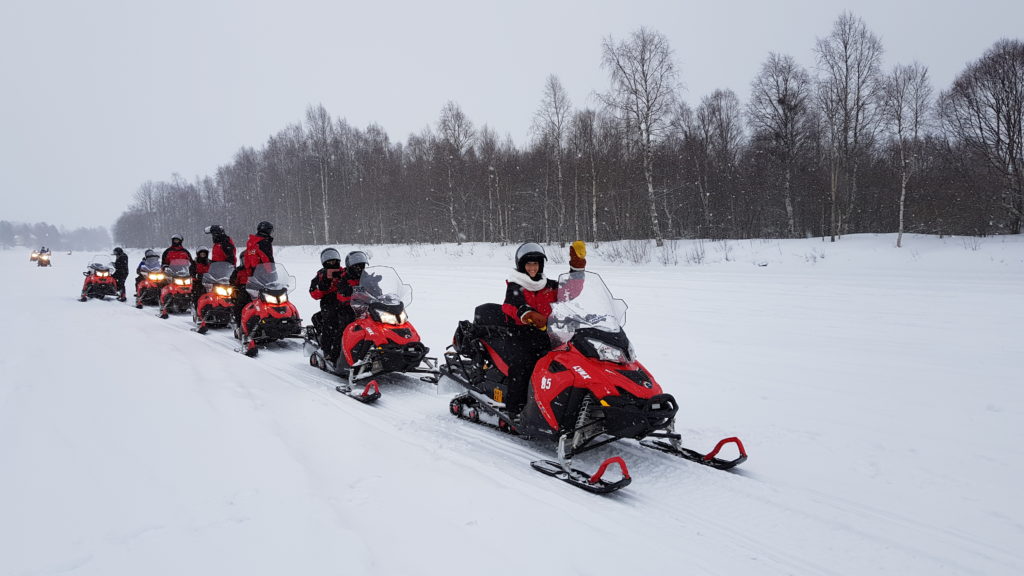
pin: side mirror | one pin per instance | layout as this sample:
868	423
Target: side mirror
85	273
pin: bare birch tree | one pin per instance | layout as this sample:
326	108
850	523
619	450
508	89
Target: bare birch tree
551	124
643	93
906	103
457	136
780	109
849	61
321	132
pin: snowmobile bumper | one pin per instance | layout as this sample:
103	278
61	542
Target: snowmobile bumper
626	416
278	328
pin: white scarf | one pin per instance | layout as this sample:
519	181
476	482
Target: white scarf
527	282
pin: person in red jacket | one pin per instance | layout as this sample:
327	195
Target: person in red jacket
258	250
200	266
528	299
175	252
333	287
223	245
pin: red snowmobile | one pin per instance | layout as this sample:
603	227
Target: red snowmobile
381	340
43	259
99	280
215	306
270	316
147	291
176	294
587	392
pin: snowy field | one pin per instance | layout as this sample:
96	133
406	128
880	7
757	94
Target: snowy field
879	393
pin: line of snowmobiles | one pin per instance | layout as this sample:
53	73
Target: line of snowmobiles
588	391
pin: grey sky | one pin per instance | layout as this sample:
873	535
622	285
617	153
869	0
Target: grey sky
98	96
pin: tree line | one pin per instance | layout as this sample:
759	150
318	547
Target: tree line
39	234
845	146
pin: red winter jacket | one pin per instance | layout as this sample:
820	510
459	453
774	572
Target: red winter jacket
519	300
223	251
258	250
175	253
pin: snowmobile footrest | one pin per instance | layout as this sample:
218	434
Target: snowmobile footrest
709	459
580	479
366	396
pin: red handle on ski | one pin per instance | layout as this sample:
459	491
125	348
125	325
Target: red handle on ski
604	466
722	443
371	384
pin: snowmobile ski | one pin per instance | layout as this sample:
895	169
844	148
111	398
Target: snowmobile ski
590	482
366	396
710	459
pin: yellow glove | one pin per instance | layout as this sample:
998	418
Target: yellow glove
578	255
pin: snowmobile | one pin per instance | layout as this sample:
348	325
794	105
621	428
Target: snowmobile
99	280
43	259
588	391
34	256
176	294
147	290
269	316
380	341
214	307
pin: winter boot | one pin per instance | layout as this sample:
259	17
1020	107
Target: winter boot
163	313
121	297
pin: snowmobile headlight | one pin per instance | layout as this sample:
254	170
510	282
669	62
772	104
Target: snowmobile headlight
182	281
44	256
102	274
609	353
222	290
271	299
396	319
156	276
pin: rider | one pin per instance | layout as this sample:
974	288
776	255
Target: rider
258	250
528	299
175	251
223	245
140	274
120	271
200	266
333	286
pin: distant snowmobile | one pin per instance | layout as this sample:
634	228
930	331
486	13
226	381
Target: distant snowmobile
176	294
381	340
43	259
269	316
147	292
214	307
587	392
99	280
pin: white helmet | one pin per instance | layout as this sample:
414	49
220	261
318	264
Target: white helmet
329	254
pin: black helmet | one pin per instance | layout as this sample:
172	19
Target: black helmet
329	254
118	251
177	237
356	257
265	227
530	252
215	229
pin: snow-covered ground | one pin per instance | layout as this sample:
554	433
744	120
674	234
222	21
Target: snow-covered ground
878	391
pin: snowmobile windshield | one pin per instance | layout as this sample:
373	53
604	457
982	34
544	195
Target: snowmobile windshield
219	273
269	276
178	269
380	284
584	301
151	263
101	262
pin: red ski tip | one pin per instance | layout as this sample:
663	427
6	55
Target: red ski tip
371	384
604	466
723	442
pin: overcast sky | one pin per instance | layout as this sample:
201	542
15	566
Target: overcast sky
99	96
